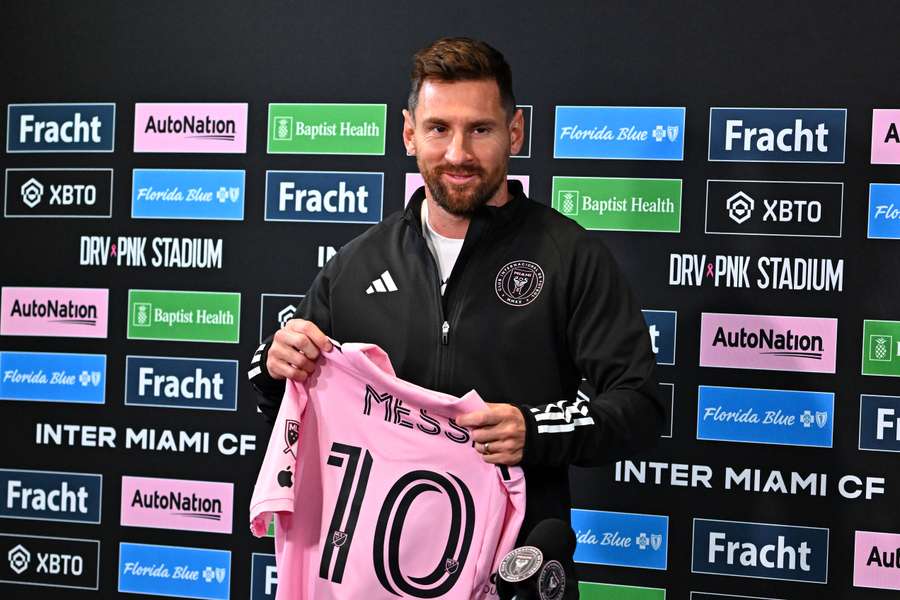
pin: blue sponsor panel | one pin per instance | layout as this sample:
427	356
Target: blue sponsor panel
802	135
174	571
263	577
209	194
879	423
760	550
201	383
53	377
50	495
619	132
61	127
884	211
621	539
324	196
662	325
760	416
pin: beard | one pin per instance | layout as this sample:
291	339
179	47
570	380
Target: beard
462	200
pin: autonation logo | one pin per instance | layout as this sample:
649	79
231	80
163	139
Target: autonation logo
876	560
54	312
178	504
805	344
190	127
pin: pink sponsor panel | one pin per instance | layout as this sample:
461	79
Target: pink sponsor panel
414	181
177	504
886	136
54	312
217	127
769	342
875	560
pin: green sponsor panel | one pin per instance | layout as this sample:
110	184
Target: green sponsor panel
184	316
620	204
881	348
270	532
327	128
608	591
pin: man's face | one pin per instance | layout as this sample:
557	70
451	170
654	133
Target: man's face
462	139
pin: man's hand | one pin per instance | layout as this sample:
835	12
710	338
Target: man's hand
294	350
499	433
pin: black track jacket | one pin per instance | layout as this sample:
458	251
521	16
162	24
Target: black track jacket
533	304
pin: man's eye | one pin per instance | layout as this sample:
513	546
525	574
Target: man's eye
438	129
482	130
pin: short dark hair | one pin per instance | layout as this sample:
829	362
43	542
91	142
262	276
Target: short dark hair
461	59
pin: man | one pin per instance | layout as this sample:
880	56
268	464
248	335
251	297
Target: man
476	286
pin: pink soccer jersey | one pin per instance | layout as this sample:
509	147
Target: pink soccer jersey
377	492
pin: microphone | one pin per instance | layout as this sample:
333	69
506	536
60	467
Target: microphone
544	568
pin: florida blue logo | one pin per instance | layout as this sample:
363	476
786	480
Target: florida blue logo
788	417
802	135
762	550
61	127
619	132
884	211
263	577
50	495
662	325
324	196
621	539
879	423
174	571
187	194
53	377
181	382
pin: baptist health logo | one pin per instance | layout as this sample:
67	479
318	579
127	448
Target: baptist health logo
620	203
621	539
881	352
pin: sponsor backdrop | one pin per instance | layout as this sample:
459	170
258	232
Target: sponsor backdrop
174	177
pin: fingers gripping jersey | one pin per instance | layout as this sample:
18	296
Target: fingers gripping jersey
377	492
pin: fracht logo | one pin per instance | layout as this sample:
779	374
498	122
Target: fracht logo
53	377
54	312
191	127
327	129
621	539
61	127
174	571
212	195
768	342
324	196
50	496
879	423
761	550
619	132
800	135
662	326
179	504
263	576
181	382
758	416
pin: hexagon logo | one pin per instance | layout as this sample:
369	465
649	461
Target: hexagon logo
740	207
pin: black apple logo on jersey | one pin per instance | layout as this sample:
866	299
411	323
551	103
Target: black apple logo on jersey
284	478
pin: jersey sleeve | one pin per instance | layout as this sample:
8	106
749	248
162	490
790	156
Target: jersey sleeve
610	344
512	485
274	489
316	308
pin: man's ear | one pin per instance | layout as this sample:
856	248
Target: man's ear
409	131
516	132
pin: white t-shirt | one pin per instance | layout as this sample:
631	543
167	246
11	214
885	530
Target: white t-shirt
445	250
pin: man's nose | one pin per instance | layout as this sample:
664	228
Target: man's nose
458	151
